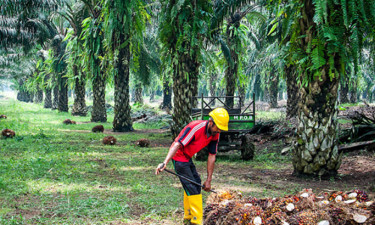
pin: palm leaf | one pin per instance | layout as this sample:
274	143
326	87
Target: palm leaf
224	8
226	51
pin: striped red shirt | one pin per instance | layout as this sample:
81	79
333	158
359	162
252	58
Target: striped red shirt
193	138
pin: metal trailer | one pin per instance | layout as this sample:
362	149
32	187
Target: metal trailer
241	121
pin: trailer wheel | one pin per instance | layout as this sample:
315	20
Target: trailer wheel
247	149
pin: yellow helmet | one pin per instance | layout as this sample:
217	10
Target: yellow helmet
221	118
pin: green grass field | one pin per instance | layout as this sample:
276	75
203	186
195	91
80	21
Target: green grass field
52	173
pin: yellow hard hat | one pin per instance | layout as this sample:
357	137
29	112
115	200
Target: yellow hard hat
221	118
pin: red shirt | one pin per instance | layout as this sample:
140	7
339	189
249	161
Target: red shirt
193	138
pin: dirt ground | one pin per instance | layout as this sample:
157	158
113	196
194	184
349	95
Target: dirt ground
356	172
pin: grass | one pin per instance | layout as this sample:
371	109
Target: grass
351	104
53	173
267	116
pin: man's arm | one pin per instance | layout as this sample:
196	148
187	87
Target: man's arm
172	151
210	170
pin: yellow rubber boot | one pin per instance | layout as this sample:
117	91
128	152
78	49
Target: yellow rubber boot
196	208
187	214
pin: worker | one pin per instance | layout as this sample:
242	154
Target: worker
192	139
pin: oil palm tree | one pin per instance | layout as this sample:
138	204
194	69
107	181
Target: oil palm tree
324	36
234	38
75	14
59	65
93	54
183	26
21	23
25	24
124	35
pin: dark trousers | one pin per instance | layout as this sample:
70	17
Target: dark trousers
187	169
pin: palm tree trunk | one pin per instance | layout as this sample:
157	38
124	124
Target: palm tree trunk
55	101
89	94
368	95
316	149
138	94
48	98
265	97
353	91
273	89
213	78
184	88
344	89
257	87
365	93
79	105
231	73
63	94
30	96
122	121
99	113
133	95
194	82
152	95
22	96
203	88
231	78
167	95
242	94
39	95
292	92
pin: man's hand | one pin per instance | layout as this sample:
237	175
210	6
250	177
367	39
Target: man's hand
160	168
207	186
172	151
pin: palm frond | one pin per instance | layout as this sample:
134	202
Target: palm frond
254	39
224	8
226	51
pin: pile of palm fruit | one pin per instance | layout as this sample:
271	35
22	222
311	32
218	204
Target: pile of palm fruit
325	208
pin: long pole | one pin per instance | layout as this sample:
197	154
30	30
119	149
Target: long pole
185	178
